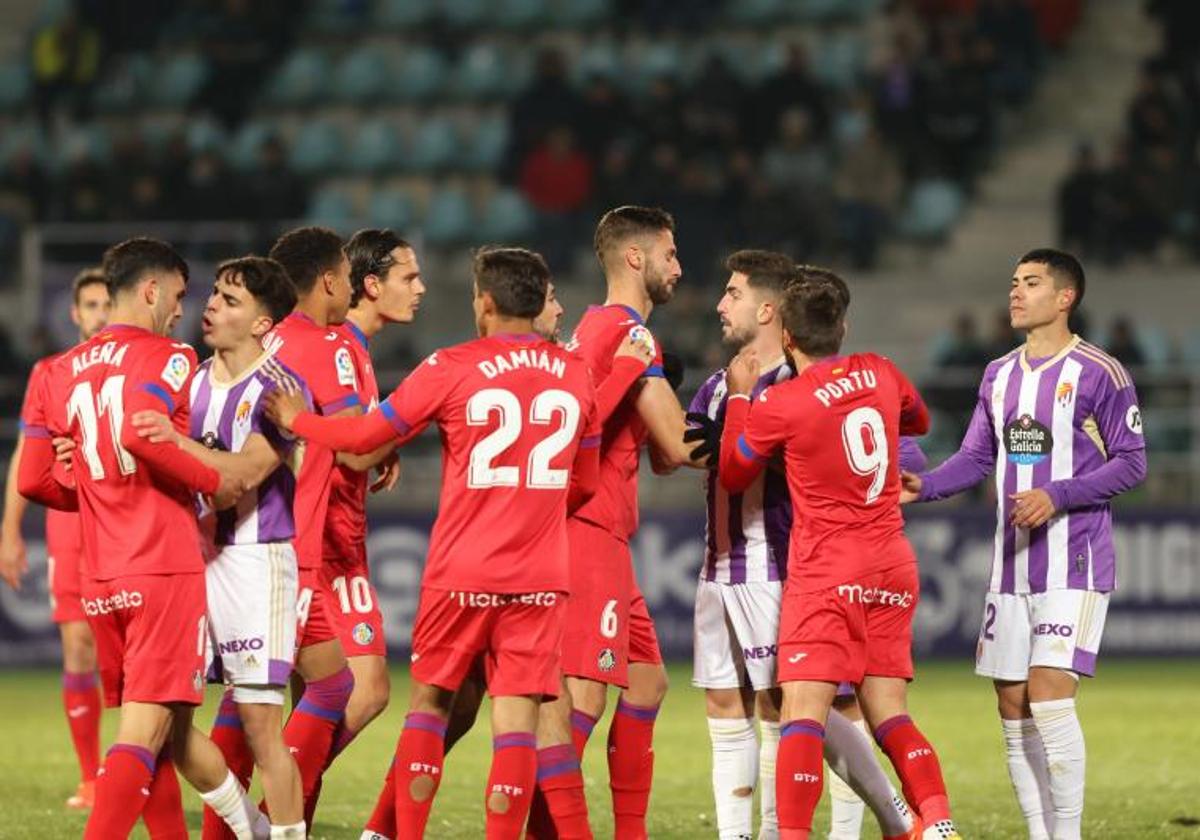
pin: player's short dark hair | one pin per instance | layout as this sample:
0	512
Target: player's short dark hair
767	271
306	253
1064	269
516	278
370	252
814	314
126	263
817	274
265	280
621	223
90	276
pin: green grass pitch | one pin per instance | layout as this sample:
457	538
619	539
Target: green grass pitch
1140	719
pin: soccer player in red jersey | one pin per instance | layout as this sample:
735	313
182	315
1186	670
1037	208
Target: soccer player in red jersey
64	561
852	583
146	594
517	416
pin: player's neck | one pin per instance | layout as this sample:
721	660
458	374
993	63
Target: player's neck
630	292
313	307
131	317
509	326
768	347
232	362
369	322
1047	340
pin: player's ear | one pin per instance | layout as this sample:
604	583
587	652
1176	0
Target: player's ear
150	290
766	311
634	257
372	287
261	326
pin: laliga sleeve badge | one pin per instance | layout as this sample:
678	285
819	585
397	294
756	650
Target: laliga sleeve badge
176	371
345	367
641	335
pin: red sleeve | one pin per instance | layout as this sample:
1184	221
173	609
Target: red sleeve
35	476
585	471
168	461
739	465
334	381
914	416
33	407
625	371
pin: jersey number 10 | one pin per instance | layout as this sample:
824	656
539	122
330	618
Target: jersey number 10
87	409
481	473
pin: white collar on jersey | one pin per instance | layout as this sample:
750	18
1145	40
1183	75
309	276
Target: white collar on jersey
1071	345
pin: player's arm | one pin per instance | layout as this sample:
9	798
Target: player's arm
257	459
666	425
750	435
367	461
914	415
13	562
35	475
629	364
585	470
971	464
912	456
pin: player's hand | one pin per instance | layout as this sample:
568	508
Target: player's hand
229	491
63	447
155	427
284	405
707	432
910	487
13	562
388	473
1031	508
635	347
743	372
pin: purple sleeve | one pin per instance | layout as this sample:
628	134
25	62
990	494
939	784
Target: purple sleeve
1120	422
912	456
974	460
699	403
280	441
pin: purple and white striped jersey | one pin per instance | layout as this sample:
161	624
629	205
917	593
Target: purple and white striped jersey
747	533
1069	425
224	415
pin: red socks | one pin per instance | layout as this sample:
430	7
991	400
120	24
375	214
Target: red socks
798	776
81	702
417	771
231	741
163	813
510	784
311	726
559	797
122	787
383	818
631	767
917	766
582	725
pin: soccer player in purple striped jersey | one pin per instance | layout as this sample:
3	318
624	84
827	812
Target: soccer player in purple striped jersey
251	573
1059	423
739	595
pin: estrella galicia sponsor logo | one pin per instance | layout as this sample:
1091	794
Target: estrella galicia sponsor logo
1027	441
607	660
1065	631
240	645
760	652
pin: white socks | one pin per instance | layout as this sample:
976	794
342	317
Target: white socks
768	828
851	755
288	832
1030	776
232	805
1062	740
734	775
845	806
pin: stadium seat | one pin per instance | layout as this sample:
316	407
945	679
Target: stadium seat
433	146
122	88
599	57
481	72
404	14
421	73
376	147
933	206
466	13
485	144
331	207
204	134
176	82
1190	349
840	60
340	16
317	148
578	14
391	207
362	75
649	61
518	14
754	12
24	135
15	84
300	80
448	218
506	216
243	149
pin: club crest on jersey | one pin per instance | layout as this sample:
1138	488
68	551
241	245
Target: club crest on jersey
363	634
1065	393
243	412
1027	441
176	371
607	660
345	367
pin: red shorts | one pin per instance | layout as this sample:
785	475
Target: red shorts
519	637
314	612
852	630
150	632
607	624
62	568
353	606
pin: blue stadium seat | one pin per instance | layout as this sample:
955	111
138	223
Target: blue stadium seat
205	134
403	14
481	71
336	15
519	14
391	207
466	13
433	146
244	147
376	147
754	12
577	14
317	149
122	88
840	60
15	84
448	217
933	206
1155	344
300	80
600	57
332	208
421	73
485	144
1190	350
506	217
176	82
362	75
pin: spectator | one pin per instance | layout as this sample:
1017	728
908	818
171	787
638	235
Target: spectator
212	193
239	50
867	187
659	115
556	176
713	108
550	100
1123	344
24	185
1079	203
964	350
65	59
605	115
797	160
1004	338
275	191
792	88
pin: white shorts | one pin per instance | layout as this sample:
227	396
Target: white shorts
736	634
252	616
1057	629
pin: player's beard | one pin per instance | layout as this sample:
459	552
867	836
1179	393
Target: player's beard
737	337
657	288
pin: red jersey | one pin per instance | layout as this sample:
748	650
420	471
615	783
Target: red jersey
596	339
136	517
324	358
839	424
346	520
62	527
514	411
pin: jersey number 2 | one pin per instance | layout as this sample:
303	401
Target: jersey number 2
85	408
539	475
875	462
